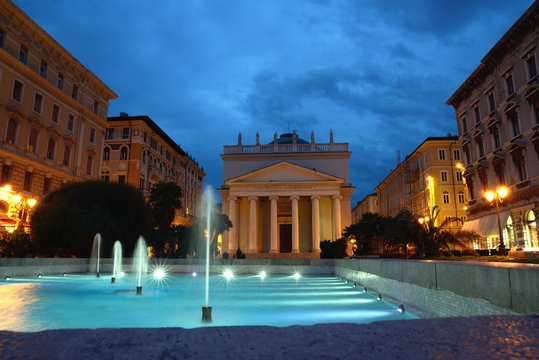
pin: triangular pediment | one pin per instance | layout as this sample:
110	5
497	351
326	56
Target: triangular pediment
284	172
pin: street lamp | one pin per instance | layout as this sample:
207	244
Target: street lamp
497	197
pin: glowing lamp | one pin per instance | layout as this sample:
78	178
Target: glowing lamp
262	275
194	274
31	202
159	274
490	195
297	276
228	274
16	198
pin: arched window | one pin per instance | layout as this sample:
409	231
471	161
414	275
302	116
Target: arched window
12	127
89	165
51	145
531	237
123	153
445	196
106	153
32	140
67	155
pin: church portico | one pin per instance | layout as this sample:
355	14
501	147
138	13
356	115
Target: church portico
281	208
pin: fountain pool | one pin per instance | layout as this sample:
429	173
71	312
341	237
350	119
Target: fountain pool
84	301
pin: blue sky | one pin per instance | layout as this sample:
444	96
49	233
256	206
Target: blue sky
376	72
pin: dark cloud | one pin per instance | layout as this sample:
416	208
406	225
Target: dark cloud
375	72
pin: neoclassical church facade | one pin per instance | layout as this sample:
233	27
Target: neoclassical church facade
285	197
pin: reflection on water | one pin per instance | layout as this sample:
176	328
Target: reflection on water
16	302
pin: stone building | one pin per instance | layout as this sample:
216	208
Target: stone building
138	152
285	197
497	110
430	176
369	204
53	114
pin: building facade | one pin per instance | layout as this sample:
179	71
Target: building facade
285	197
430	176
369	204
497	110
53	114
140	153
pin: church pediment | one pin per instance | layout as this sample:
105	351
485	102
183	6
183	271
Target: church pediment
284	172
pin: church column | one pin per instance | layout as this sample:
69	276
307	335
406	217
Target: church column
252	224
295	224
233	232
273	226
337	215
316	223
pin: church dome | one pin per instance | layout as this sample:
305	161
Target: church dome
286	138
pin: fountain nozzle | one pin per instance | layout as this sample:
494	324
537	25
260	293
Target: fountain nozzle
139	290
97	274
113	280
206	314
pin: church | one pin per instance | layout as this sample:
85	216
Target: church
285	197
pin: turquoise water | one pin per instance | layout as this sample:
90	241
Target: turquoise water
84	301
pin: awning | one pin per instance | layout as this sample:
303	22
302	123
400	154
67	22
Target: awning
487	225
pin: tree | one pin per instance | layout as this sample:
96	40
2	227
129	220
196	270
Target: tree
196	235
65	221
164	200
368	232
404	229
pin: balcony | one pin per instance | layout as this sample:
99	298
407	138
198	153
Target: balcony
286	148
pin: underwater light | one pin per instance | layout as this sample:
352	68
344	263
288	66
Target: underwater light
401	308
39	276
65	274
262	275
159	274
228	274
194	274
7	278
379	297
297	276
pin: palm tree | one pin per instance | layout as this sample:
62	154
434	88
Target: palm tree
368	232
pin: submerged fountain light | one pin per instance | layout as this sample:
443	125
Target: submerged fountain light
159	274
297	275
7	278
65	274
228	274
194	274
379	297
262	274
401	308
39	276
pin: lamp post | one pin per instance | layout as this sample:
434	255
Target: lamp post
497	197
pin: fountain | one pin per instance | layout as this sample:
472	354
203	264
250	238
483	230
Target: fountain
140	262
117	264
208	201
95	257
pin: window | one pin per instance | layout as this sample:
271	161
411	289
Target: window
17	91
60	81
496	141
12	130
153	144
123	153
92	135
96	107
445	196
509	85
441	154
125	133
515	127
456	154
43	69
6	174
145	137
55	113
491	102
51	145
27	182
2	39
46	185
121	179
144	157
443	175
89	165
142	182
70	122
536	113
109	134
461	197
458	176
106	153
480	147
532	67
38	103
67	155
521	168
23	54
75	92
105	178
32	140
464	124
476	114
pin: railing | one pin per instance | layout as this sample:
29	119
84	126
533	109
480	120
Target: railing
285	148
